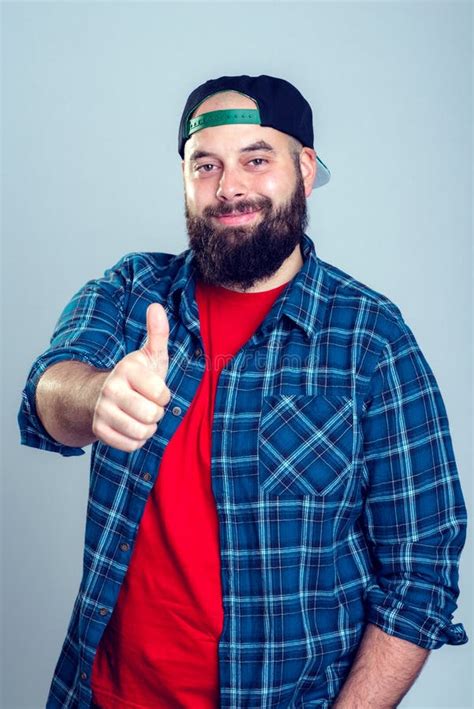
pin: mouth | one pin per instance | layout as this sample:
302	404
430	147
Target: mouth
237	218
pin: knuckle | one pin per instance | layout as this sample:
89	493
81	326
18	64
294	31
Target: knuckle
148	413
152	416
124	368
141	432
152	429
136	430
97	428
109	390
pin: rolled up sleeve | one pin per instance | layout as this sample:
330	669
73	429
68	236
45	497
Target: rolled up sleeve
414	515
90	330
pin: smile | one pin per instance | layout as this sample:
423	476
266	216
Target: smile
233	219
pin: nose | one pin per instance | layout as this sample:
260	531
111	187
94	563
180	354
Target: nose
232	186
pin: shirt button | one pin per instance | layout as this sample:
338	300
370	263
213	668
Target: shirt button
124	546
103	611
83	675
176	410
147	476
197	352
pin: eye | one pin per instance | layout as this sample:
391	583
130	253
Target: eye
202	168
260	161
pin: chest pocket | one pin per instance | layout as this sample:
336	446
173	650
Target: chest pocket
305	444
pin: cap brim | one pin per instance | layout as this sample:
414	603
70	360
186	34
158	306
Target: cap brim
322	174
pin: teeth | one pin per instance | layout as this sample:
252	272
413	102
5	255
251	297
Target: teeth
238	214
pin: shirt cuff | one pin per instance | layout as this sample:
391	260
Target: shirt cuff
422	628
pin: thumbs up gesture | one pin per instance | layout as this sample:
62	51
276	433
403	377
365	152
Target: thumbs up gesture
133	396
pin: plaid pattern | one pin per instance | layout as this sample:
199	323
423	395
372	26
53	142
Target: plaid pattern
335	481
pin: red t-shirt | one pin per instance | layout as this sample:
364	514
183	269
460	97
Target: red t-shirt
159	649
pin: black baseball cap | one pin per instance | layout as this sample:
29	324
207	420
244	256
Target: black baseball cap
279	105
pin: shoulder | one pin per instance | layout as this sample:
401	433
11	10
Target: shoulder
359	306
343	285
153	272
139	265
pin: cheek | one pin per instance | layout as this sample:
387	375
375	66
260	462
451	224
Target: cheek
275	186
198	194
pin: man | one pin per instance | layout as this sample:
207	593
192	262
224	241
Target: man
275	516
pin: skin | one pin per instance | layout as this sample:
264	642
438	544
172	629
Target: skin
228	176
78	404
383	671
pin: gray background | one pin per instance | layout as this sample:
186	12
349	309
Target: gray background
92	95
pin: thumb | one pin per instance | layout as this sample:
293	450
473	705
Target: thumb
156	346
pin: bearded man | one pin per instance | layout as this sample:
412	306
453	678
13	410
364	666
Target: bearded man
275	516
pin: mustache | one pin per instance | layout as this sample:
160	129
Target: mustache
239	207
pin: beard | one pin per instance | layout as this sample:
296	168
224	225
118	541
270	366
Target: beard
238	257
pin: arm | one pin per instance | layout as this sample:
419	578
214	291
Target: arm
78	404
90	331
383	671
414	515
90	341
66	396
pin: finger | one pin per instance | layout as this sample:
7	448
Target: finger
156	346
114	418
147	383
164	398
112	438
137	406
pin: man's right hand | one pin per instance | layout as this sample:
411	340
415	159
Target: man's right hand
133	396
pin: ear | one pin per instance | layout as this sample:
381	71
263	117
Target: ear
308	167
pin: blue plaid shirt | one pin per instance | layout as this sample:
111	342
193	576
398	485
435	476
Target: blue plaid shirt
333	471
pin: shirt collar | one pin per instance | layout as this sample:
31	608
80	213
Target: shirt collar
303	301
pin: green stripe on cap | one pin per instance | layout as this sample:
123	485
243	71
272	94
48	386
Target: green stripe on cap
219	118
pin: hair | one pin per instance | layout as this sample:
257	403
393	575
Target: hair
295	148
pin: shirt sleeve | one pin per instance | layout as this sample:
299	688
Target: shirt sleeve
90	330
414	515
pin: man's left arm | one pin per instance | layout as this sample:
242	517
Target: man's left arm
383	671
414	520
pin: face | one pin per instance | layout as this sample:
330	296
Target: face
245	198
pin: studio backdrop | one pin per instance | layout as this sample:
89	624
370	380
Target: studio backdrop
92	96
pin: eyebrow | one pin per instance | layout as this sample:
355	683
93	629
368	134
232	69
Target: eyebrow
259	145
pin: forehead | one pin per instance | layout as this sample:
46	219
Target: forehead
227	139
223	100
232	139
